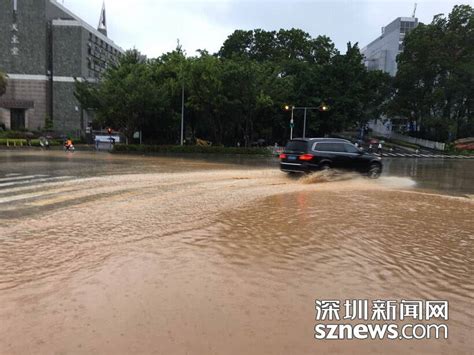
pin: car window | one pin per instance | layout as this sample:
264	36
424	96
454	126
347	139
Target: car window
322	147
329	147
297	146
350	148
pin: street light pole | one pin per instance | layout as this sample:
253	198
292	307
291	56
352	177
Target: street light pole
292	122
304	122
182	115
322	108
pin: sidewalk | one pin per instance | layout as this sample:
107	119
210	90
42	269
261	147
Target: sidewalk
424	155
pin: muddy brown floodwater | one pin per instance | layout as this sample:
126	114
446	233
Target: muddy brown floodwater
209	258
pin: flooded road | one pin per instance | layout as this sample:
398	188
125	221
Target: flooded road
122	254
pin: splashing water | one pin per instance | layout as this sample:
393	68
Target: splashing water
330	175
395	182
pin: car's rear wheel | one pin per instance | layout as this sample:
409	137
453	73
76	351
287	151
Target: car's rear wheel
375	171
325	166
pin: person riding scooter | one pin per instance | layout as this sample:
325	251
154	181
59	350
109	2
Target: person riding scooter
68	145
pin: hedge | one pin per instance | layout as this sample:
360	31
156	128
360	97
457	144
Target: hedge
133	148
23	142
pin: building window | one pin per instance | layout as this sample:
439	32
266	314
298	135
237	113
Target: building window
17	119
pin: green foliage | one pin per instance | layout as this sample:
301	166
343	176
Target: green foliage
121	148
281	46
23	142
238	95
435	79
122	100
13	134
451	149
48	123
3	83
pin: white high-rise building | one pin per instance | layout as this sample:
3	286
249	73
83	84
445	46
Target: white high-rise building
381	54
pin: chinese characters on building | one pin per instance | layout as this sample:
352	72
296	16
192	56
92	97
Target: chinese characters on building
14	31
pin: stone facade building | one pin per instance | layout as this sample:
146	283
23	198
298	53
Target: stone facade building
43	48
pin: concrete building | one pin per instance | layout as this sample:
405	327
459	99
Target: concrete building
381	54
43	48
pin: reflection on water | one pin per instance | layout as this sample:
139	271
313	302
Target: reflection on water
212	258
374	239
451	176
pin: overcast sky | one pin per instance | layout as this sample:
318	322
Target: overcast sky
153	26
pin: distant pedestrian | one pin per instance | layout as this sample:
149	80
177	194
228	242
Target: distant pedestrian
44	143
238	144
379	148
370	148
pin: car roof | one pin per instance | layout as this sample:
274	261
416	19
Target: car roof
315	140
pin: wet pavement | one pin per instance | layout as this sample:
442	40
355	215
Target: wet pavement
119	254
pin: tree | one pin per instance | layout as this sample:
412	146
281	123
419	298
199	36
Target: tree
127	96
3	83
378	90
206	96
279	47
238	94
239	43
435	80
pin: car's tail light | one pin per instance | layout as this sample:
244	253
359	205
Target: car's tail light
283	156
306	157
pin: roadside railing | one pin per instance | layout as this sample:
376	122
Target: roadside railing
421	142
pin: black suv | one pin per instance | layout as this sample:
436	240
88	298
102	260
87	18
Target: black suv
304	155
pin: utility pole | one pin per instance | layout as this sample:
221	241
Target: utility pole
182	115
322	108
292	122
304	122
50	71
